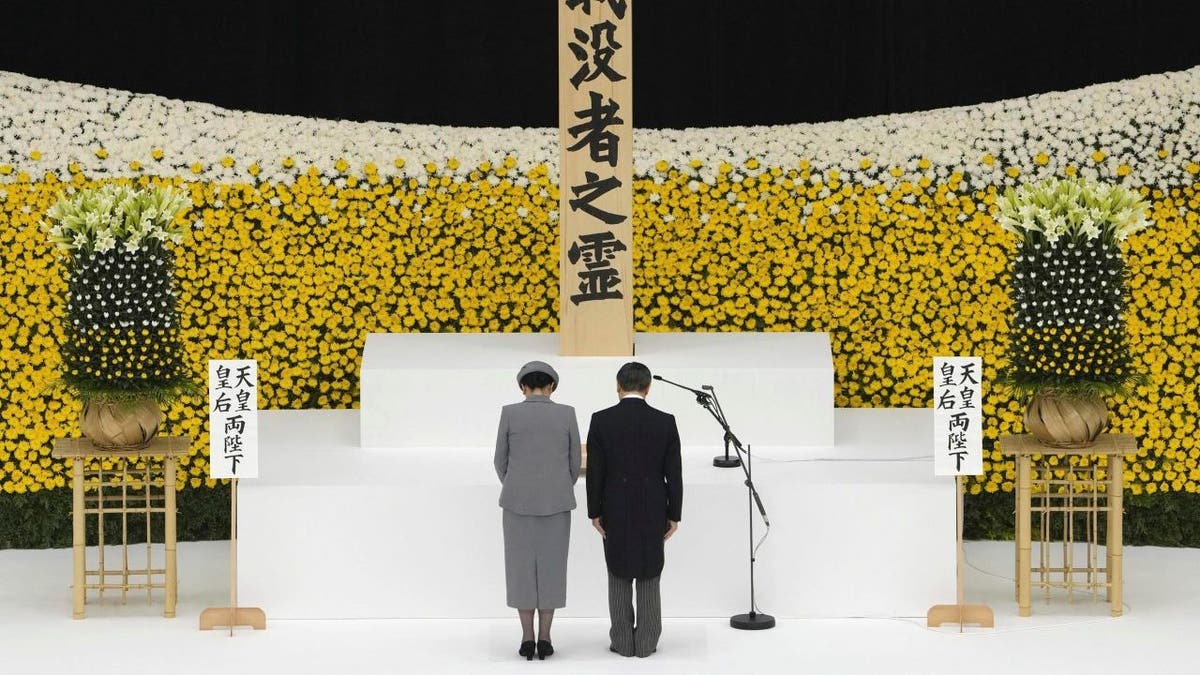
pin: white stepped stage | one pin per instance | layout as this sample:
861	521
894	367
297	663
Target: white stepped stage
445	390
403	495
334	530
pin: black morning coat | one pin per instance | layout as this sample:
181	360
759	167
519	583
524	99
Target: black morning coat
634	484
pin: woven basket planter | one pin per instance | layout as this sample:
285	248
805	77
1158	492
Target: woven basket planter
1066	422
121	425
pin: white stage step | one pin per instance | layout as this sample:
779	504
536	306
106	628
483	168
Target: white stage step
332	530
446	390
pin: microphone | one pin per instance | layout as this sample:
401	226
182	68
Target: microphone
700	395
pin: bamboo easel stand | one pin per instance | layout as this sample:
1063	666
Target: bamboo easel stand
233	616
960	613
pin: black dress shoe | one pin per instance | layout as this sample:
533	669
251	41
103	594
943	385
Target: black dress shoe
544	649
526	650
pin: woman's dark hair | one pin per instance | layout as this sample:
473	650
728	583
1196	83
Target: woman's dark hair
633	376
536	380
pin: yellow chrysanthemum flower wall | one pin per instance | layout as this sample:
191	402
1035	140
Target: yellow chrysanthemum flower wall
887	242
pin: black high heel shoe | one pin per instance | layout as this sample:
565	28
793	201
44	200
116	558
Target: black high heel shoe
544	649
526	650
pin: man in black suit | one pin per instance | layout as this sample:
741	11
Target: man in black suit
635	495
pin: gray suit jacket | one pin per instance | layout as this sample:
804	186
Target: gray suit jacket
537	456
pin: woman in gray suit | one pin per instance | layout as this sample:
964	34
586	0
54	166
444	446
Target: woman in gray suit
537	460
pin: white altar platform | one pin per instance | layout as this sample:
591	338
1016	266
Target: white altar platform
334	530
427	389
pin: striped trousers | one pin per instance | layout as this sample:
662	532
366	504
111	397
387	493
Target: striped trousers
628	639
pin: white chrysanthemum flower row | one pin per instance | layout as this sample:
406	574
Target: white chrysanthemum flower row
1141	128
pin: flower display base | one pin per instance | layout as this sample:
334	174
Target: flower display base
121	425
1066	422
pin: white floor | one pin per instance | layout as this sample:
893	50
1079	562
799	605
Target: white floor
1162	588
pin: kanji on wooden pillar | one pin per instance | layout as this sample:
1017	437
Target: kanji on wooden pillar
595	132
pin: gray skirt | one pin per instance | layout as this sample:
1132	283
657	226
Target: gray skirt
535	559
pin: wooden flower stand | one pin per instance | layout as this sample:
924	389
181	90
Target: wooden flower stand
1072	496
126	489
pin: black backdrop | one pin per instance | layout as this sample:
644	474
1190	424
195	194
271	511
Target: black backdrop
696	62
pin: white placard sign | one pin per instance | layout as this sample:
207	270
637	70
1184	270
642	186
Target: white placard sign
233	418
957	416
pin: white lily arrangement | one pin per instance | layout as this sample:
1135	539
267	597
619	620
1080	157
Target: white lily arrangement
98	220
1072	207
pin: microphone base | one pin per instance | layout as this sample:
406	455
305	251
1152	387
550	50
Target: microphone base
726	462
752	621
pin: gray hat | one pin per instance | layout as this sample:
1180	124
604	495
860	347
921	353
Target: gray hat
538	367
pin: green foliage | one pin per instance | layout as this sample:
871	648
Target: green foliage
989	516
1160	519
43	519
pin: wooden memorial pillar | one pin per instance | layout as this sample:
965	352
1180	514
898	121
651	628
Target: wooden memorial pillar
595	113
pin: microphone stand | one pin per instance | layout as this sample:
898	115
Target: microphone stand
707	398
